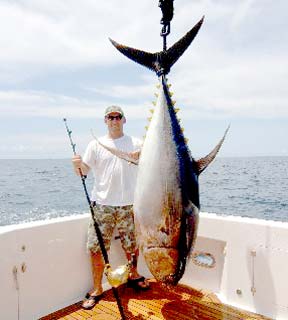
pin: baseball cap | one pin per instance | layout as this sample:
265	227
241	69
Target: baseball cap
112	109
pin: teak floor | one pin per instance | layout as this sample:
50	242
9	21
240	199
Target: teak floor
169	303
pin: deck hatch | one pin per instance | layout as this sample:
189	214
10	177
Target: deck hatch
204	259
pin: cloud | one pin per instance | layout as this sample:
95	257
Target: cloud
236	66
122	91
38	145
240	15
235	86
34	104
30	104
66	32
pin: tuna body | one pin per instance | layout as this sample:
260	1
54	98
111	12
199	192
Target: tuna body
166	197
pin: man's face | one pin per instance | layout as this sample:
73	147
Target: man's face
115	121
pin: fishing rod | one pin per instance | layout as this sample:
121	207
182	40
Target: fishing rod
120	275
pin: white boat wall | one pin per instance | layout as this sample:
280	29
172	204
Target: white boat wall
45	265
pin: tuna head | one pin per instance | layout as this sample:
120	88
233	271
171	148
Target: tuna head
166	197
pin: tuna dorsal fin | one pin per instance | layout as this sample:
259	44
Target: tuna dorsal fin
203	163
162	61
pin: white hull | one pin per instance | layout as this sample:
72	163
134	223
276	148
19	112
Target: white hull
251	259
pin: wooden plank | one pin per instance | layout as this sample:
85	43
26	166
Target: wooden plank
158	303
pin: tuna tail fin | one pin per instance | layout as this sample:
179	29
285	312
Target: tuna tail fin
176	51
162	61
147	59
203	163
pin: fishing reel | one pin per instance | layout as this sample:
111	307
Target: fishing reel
118	276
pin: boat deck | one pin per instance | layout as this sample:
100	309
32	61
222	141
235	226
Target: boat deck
180	302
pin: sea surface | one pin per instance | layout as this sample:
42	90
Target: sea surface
43	189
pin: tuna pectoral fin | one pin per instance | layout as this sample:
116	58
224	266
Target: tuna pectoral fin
203	163
188	233
118	153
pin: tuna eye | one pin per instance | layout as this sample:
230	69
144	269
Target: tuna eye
163	229
204	259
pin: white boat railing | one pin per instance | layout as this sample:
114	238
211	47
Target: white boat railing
45	265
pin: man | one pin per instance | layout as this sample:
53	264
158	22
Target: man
112	194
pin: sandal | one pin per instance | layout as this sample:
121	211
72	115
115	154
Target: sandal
91	301
138	284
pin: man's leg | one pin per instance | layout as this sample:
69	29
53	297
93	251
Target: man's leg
133	258
135	280
97	266
126	228
104	217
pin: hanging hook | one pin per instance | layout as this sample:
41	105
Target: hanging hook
167	9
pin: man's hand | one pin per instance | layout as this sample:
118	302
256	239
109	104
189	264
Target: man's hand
79	165
134	155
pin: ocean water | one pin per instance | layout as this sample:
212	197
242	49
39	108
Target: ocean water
43	189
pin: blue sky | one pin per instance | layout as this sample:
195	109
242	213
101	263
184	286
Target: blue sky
56	61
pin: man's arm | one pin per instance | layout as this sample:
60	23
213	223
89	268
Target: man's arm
79	164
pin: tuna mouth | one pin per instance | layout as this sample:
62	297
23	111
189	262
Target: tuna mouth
161	247
162	262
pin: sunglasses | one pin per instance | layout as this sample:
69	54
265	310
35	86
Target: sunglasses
114	117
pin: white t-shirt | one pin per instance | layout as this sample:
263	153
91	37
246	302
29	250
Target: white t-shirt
114	178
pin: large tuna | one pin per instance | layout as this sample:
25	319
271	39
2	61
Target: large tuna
167	195
166	202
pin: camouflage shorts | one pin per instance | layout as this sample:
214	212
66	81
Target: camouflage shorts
107	218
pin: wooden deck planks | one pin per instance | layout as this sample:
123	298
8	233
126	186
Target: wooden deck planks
158	303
